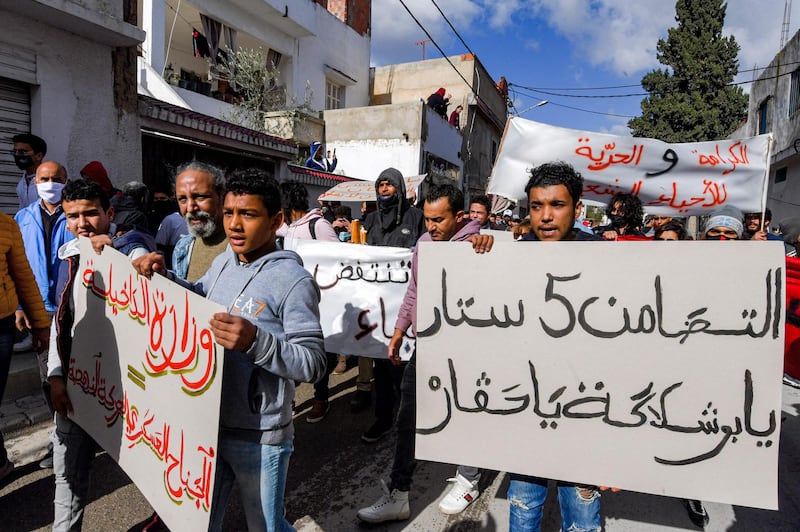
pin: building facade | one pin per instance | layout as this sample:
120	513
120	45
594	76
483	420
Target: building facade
774	107
67	74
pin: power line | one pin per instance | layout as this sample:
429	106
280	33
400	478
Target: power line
452	28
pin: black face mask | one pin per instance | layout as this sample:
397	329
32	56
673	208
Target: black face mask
23	162
387	201
616	220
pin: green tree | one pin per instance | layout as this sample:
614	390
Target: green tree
256	82
692	100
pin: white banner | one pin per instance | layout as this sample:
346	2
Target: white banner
658	371
145	379
672	179
362	289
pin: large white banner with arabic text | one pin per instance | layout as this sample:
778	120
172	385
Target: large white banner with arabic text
673	179
658	371
362	289
145	379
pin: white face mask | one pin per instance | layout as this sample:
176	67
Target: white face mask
50	191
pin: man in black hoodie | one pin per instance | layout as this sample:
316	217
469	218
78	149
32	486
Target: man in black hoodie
395	223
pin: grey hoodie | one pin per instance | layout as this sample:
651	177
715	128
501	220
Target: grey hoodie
281	298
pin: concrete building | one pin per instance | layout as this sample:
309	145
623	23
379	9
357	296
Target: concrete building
67	72
397	129
321	49
775	107
408	136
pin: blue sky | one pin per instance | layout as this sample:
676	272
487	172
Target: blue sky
568	44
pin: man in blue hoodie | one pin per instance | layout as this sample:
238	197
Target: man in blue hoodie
272	338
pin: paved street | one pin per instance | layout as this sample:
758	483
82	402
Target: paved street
333	473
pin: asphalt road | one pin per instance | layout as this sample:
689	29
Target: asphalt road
332	474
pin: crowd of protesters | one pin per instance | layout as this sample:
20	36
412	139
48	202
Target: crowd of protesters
248	225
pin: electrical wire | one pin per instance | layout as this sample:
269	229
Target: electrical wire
452	28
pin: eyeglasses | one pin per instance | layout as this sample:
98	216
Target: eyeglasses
21	152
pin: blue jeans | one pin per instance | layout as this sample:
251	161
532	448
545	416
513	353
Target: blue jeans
73	451
526	496
6	350
260	472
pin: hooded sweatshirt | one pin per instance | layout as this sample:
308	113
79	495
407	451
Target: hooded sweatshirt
301	229
394	223
408	310
281	298
322	163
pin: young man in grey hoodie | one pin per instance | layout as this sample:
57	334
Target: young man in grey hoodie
272	338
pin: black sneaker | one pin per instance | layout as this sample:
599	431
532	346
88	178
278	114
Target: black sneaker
361	401
376	432
697	513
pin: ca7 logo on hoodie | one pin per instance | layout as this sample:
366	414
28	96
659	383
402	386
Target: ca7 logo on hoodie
248	307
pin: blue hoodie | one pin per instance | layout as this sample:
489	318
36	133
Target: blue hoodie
322	163
281	298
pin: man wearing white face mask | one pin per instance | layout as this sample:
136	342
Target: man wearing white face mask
44	230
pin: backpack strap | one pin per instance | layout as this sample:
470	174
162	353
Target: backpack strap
311	225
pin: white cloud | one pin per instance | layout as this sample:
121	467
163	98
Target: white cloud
617	35
394	32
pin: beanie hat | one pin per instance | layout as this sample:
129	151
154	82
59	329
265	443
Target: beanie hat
97	173
727	216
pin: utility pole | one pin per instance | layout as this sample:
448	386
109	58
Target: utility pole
422	43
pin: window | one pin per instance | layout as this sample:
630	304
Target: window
334	95
794	93
763	115
780	175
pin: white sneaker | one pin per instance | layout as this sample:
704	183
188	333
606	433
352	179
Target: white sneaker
462	493
392	506
26	344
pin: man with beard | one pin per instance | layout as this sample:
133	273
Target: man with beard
199	188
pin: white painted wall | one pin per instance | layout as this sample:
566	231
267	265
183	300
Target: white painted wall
309	38
369	139
72	107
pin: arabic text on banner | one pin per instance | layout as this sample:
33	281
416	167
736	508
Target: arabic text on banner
362	289
645	372
145	379
673	179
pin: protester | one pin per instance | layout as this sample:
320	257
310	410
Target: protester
455	117
130	207
89	213
755	230
95	171
626	216
301	223
317	161
305	224
44	231
18	287
266	350
445	221
343	215
479	209
395	223
671	230
553	191
199	189
28	151
723	223
439	102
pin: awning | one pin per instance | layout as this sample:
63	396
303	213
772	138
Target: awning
364	190
307	176
159	117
